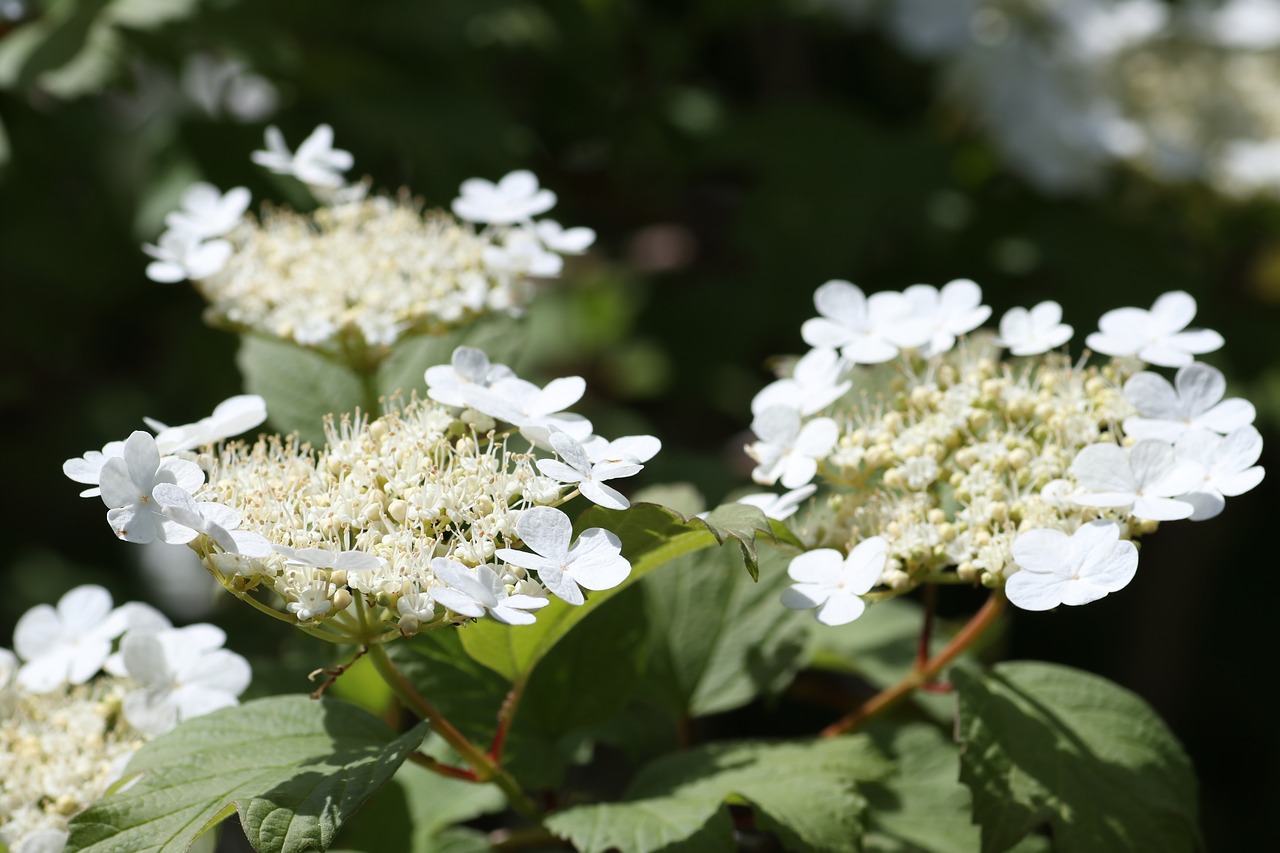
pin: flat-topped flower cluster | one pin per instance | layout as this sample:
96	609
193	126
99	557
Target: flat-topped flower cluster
86	685
401	523
359	272
946	464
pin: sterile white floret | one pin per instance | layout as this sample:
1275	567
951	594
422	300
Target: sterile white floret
833	583
474	592
181	255
207	212
1229	464
1059	569
514	198
127	483
1156	336
69	644
866	330
1144	480
1034	331
447	383
789	450
779	507
593	562
183	672
1193	402
578	469
316	162
813	385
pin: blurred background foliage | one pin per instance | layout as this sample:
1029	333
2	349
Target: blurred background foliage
731	154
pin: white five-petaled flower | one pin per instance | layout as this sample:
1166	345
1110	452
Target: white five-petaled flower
938	317
127	483
864	329
1055	568
788	451
589	475
214	520
473	592
594	562
629	448
779	507
1031	332
834	583
181	255
1155	336
316	163
1144	480
68	644
522	253
322	558
536	411
1228	463
515	198
1193	402
566	241
184	673
231	417
468	367
87	469
206	212
813	385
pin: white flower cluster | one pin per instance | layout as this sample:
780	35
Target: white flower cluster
946	464
1183	91
359	272
409	521
88	685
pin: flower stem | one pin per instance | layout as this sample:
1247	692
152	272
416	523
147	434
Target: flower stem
922	674
486	770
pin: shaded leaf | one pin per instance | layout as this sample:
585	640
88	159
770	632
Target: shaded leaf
293	769
922	807
806	793
500	336
1043	743
300	386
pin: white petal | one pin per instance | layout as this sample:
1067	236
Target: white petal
1199	387
597	561
1034	590
805	596
841	608
1153	396
561	585
1041	550
1228	415
602	495
1173	311
1103	468
546	530
1161	509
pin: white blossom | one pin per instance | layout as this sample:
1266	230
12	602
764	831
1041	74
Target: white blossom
474	592
813	385
939	316
515	198
87	469
1059	569
1228	463
866	330
779	507
521	253
1156	336
630	448
1193	402
1035	331
593	562
1144	480
589	476
69	644
566	241
207	212
787	450
180	255
127	482
536	411
468	366
213	519
316	163
833	583
232	416
184	673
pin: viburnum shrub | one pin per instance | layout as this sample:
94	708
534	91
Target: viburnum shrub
535	653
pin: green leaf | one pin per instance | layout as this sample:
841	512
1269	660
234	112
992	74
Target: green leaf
1045	743
651	537
716	639
572	692
922	807
300	386
293	769
806	793
410	813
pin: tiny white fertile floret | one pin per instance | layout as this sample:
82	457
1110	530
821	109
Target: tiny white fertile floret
1055	568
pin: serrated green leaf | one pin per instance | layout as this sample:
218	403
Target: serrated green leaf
410	813
651	537
806	793
572	692
299	386
1048	744
922	807
293	768
717	640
